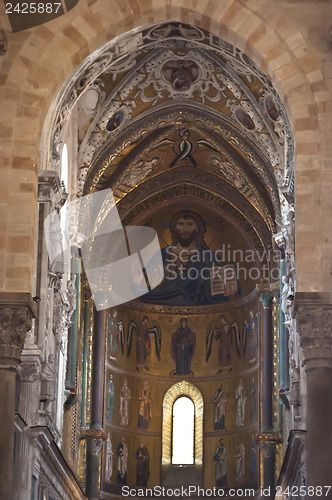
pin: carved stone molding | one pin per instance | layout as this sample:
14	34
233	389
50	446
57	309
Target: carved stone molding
314	321
50	189
16	313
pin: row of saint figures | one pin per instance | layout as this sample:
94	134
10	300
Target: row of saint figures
221	459
228	337
219	402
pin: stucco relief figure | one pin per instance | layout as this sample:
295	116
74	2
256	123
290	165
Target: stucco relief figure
147	338
240	399
71	297
48	382
183	346
145	407
143	465
239	456
109	459
122	453
110	399
287	304
181	74
288	232
221	332
125	397
221	458
193	275
219	414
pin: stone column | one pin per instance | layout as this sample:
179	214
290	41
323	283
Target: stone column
314	321
16	313
267	444
95	433
267	359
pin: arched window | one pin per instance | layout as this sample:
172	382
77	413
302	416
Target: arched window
183	428
182	410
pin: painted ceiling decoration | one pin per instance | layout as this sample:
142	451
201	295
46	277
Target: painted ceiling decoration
130	94
174	139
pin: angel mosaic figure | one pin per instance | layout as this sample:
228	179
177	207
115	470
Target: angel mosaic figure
137	173
222	332
115	333
145	337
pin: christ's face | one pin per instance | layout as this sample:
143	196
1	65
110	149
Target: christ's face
186	230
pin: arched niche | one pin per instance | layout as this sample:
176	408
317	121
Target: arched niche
177	390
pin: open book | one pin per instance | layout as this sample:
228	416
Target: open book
223	280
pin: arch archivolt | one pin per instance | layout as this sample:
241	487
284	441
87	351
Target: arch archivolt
39	60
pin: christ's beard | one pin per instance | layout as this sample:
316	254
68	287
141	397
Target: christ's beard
187	240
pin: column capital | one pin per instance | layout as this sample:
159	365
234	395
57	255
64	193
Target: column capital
314	320
266	299
16	314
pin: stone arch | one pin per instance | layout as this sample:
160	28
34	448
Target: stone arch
269	38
